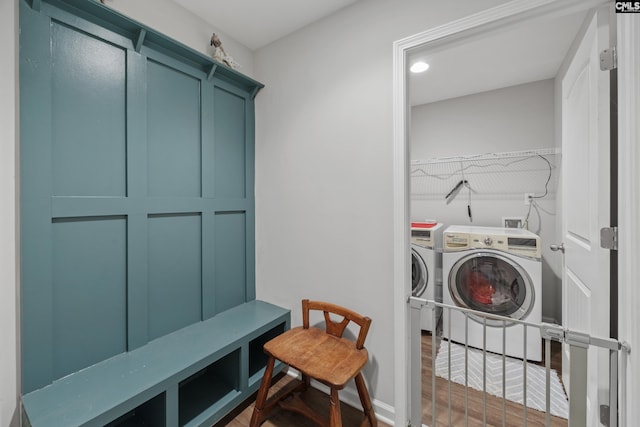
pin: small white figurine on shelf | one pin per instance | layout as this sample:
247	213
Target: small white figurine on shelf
219	54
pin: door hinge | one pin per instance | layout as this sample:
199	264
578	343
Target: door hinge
608	59
604	415
609	238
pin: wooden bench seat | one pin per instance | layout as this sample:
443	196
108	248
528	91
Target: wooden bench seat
193	376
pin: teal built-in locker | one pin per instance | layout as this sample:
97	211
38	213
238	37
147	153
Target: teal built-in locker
137	187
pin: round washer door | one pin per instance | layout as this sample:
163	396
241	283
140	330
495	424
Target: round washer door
419	274
491	283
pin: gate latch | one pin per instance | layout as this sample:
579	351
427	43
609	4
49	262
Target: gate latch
609	238
552	332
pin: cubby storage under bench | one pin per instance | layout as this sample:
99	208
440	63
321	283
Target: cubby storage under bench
191	377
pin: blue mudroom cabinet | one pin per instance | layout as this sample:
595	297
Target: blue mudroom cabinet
137	224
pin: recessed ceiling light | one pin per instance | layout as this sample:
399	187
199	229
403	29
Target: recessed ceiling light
419	67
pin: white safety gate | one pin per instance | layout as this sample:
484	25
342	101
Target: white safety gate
579	344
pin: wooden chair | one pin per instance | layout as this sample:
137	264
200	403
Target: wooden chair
323	355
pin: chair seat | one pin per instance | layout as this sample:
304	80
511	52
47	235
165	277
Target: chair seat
331	360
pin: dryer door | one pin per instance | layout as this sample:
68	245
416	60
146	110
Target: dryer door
419	274
492	283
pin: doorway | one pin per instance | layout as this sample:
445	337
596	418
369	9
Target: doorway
495	20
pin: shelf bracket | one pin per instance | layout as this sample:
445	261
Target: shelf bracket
140	39
212	71
254	92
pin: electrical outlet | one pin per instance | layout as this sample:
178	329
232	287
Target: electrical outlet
512	222
527	198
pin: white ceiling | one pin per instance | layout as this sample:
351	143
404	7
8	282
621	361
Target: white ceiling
257	23
529	52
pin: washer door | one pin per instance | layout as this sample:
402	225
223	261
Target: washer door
491	283
419	274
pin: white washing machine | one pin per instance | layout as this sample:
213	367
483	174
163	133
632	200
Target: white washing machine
496	271
426	267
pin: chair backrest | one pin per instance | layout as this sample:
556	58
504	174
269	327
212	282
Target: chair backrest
336	328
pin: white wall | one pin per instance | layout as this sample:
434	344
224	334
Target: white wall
9	381
324	159
509	119
178	23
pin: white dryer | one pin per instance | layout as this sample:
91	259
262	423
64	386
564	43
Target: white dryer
426	267
496	271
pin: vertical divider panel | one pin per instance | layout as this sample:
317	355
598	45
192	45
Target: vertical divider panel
35	193
208	129
208	265
244	366
137	282
137	253
250	198
208	193
172	405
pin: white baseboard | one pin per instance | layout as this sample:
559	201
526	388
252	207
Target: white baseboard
383	411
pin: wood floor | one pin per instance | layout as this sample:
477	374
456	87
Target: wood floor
352	416
475	416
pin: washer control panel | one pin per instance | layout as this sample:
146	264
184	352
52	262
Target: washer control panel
426	235
517	244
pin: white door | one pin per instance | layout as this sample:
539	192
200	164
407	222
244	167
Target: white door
586	197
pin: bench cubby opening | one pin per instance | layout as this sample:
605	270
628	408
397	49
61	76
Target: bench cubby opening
257	358
210	387
151	413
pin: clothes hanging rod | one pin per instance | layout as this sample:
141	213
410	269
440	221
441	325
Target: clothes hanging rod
489	156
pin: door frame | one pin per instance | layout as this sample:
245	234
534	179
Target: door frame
628	35
629	179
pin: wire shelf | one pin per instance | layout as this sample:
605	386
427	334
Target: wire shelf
507	174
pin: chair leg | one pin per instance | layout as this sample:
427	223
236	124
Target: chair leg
366	401
335	415
257	416
306	381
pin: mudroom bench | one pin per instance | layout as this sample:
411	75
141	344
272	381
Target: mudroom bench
191	377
